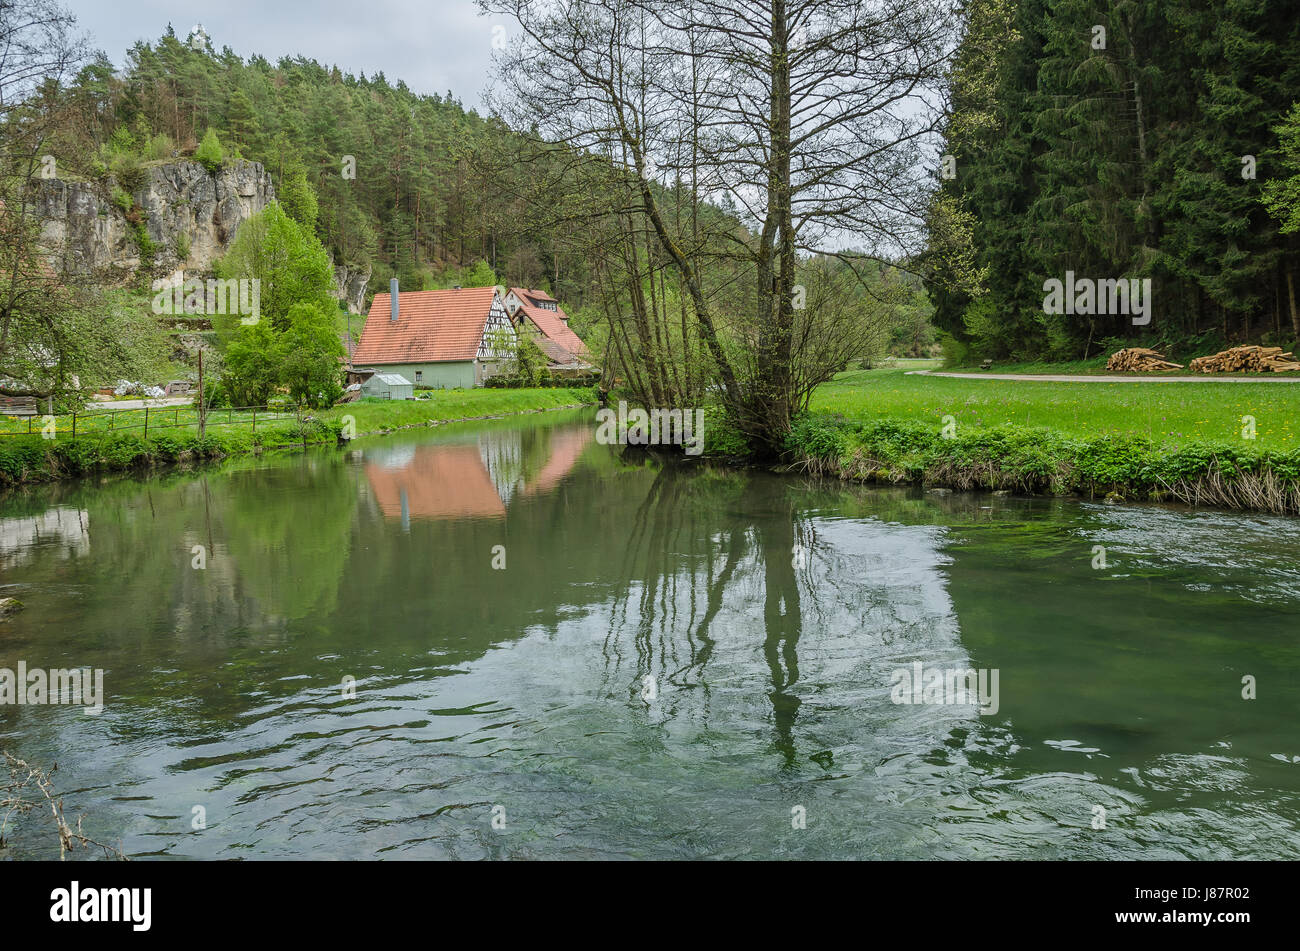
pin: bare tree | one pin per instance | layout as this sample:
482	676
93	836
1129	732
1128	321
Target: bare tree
810	117
38	53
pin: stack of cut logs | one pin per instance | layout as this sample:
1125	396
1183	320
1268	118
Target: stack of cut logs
1140	360
1246	360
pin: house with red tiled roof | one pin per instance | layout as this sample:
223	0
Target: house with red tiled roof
439	339
540	315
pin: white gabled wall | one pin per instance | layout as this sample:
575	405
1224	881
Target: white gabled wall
497	320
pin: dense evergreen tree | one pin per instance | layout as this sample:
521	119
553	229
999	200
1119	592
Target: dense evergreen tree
1123	139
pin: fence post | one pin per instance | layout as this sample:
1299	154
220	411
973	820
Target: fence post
203	406
146	422
254	420
74	424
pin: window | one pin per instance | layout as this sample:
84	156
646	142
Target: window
419	375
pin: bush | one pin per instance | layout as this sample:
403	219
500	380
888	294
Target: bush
160	147
209	153
123	200
819	437
511	382
308	354
215	393
955	352
129	171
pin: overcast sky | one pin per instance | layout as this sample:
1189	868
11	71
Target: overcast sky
434	45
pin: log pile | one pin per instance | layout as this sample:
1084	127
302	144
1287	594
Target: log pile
1140	360
1250	359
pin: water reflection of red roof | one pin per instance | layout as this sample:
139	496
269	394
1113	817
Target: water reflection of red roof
566	447
438	482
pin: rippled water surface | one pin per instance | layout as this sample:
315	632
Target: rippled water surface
771	613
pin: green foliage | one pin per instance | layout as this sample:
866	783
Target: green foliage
216	394
1043	461
308	353
252	368
291	264
529	361
34	459
129	171
1119	162
955	352
123	200
298	198
478	274
819	437
160	147
209	153
1282	196
147	246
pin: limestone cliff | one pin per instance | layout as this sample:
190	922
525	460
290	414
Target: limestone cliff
350	286
182	206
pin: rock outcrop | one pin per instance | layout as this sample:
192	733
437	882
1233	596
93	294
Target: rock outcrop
350	286
183	208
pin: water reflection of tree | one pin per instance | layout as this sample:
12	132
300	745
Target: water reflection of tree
781	619
697	541
288	530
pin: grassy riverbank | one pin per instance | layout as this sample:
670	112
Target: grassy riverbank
1181	442
96	449
1170	413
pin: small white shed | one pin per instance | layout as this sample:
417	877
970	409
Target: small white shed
388	386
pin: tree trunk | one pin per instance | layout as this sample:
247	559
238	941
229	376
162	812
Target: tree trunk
1290	291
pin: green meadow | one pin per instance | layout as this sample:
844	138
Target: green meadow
1170	413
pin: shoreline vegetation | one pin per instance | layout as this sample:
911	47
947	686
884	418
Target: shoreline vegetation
33	459
1193	444
873	427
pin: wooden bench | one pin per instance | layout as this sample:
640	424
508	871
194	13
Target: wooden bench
986	365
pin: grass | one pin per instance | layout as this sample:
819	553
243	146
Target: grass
1090	367
1124	440
1172	414
1096	366
106	420
443	405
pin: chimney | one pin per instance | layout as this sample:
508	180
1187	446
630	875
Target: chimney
392	293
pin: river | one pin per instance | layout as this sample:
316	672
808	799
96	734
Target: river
505	640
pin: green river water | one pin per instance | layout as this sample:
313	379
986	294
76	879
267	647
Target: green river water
506	712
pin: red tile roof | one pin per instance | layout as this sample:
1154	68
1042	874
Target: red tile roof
552	324
431	327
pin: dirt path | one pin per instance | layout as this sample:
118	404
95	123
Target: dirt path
1065	378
